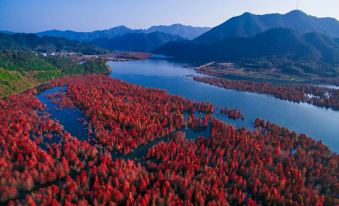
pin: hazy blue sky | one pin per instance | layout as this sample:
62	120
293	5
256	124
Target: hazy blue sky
88	15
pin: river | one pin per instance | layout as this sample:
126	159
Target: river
319	123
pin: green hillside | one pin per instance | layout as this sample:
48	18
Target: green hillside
20	70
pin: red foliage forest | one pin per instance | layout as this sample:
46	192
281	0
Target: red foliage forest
232	113
319	96
124	116
268	166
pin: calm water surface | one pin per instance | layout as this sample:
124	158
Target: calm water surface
71	118
321	124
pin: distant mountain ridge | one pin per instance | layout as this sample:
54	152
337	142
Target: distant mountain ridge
247	25
184	31
6	32
88	36
22	41
280	47
137	41
187	32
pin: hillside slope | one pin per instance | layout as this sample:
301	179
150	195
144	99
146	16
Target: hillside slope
21	70
247	25
45	44
283	48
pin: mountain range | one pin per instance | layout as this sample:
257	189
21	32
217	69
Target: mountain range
88	36
137	41
186	32
294	42
289	50
124	38
247	25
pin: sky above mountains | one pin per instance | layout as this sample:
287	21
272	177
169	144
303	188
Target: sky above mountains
89	15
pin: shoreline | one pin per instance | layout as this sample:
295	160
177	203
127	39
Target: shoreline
231	71
318	96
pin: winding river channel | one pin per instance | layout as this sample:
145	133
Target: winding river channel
319	123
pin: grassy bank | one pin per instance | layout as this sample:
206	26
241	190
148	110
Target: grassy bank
12	82
20	70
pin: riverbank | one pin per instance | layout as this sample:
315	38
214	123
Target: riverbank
234	72
114	56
